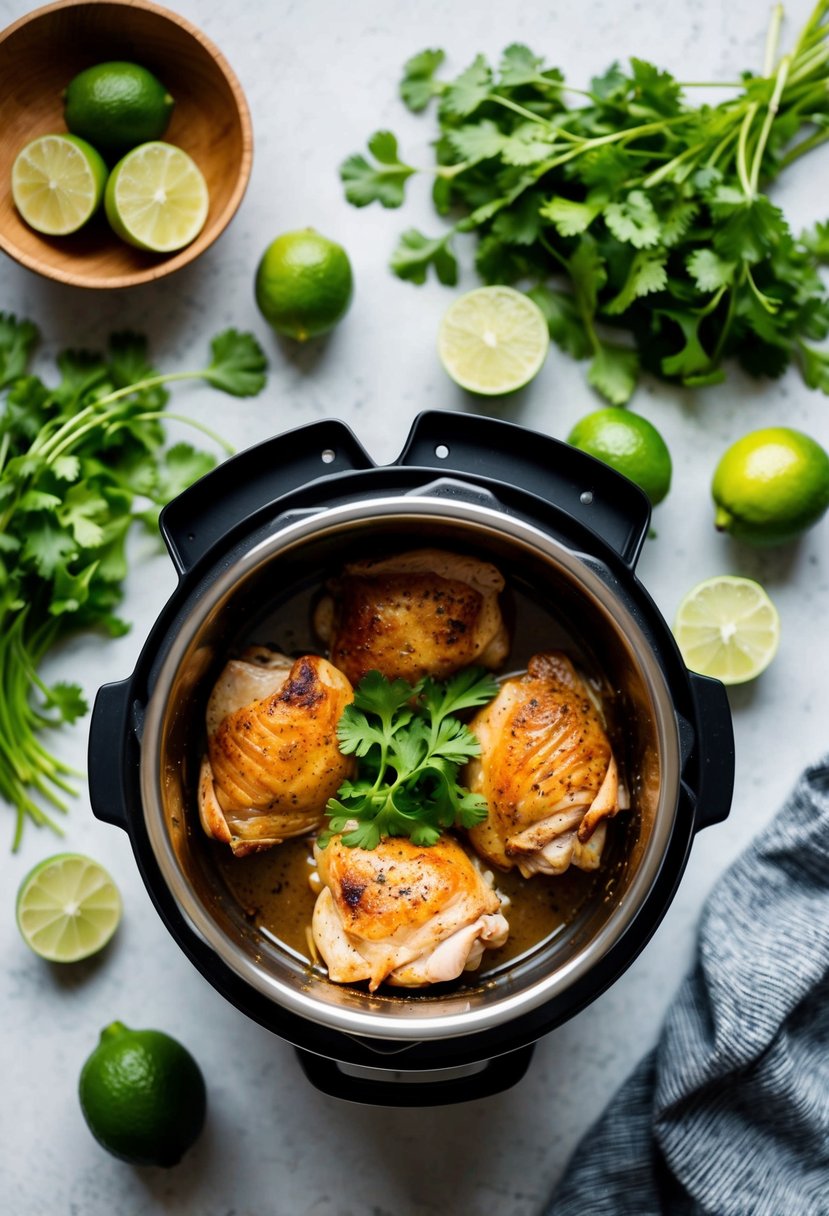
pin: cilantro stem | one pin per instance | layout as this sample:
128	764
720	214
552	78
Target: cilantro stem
154	415
725	328
772	39
519	109
805	145
771	114
742	145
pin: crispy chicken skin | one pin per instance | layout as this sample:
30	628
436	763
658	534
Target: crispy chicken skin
427	612
272	754
547	771
404	914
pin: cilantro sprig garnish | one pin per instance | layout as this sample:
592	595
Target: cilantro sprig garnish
637	221
409	748
80	462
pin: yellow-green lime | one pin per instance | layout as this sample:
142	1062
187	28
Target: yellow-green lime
117	106
156	198
68	908
628	443
143	1095
493	340
58	183
770	486
303	284
727	627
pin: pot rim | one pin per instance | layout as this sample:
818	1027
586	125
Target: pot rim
420	1022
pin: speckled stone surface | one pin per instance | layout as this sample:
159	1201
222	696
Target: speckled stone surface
320	76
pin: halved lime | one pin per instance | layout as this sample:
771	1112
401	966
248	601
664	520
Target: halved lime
156	198
493	340
727	627
58	183
68	908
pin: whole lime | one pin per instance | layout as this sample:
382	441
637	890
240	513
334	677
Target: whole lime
770	486
117	106
629	444
303	284
142	1095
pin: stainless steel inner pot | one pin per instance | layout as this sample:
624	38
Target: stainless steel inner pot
302	552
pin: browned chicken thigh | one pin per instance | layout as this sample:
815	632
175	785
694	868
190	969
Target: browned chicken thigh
547	771
427	612
403	913
273	758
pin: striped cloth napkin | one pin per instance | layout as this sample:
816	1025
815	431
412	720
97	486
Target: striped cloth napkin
729	1115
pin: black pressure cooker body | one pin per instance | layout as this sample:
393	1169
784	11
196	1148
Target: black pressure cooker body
310	492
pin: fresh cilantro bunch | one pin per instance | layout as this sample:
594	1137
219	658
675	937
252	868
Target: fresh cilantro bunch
79	463
631	212
409	748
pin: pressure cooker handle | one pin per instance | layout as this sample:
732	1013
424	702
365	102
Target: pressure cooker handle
496	1075
715	751
568	479
229	495
108	765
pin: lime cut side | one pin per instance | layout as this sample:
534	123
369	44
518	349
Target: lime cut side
156	198
57	183
68	908
493	340
727	627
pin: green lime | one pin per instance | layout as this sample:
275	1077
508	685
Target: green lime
58	183
117	106
727	627
68	908
142	1095
493	340
303	284
770	486
628	443
156	198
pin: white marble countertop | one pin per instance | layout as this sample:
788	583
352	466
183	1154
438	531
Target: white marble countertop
320	77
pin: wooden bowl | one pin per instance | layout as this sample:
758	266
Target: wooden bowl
39	55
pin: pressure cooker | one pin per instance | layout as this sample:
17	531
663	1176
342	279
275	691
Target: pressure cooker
276	521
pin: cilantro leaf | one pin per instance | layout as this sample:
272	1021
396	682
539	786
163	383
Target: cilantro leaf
527	144
382	183
815	366
613	372
68	699
415	253
708	270
748	229
468	90
80	512
409	747
519	66
656	89
519	224
48	546
692	358
418	86
477	141
633	220
563	319
237	365
17	339
570	217
647	274
816	240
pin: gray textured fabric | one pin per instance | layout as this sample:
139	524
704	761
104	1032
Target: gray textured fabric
729	1115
